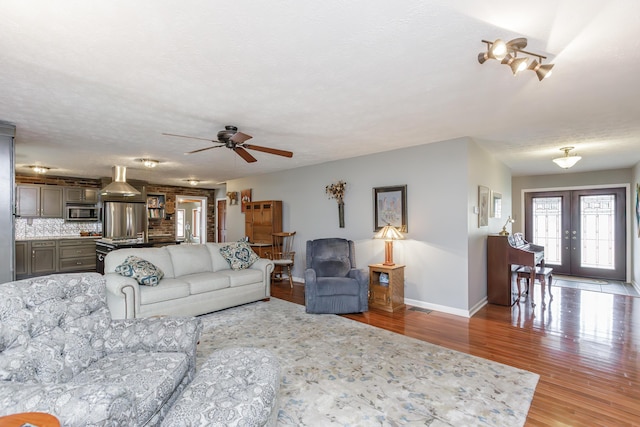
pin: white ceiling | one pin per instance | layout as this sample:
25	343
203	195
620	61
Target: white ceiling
94	84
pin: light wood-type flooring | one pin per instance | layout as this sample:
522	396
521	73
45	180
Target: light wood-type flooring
583	344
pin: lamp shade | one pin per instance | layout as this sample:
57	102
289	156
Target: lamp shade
389	232
566	161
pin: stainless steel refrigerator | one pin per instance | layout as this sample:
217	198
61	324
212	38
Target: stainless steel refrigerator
124	220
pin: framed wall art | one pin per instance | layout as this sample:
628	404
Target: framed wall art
390	207
483	206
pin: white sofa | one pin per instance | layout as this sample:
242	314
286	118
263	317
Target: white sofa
197	280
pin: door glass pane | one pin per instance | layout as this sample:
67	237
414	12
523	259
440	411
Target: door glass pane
597	225
547	227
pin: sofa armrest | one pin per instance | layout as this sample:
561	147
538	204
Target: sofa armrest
263	264
123	296
155	334
73	404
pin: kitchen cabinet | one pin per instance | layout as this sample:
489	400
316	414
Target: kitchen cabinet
22	259
43	201
80	195
76	255
43	257
262	219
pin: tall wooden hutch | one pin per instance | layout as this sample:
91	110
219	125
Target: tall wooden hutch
261	220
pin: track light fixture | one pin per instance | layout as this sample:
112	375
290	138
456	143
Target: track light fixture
512	53
566	161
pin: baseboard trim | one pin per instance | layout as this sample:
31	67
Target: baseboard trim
437	307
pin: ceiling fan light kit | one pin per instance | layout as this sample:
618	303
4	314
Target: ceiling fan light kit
512	53
567	161
234	140
149	163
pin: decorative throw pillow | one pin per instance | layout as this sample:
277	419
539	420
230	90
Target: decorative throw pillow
239	255
141	270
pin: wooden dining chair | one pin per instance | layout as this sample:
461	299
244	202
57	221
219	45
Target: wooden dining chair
282	254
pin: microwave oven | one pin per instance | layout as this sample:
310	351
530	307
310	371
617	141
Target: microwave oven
82	213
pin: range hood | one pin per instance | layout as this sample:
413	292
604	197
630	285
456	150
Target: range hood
119	186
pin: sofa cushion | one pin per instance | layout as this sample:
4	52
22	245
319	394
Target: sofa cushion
243	277
239	255
157	256
151	378
206	282
140	269
190	259
218	261
168	289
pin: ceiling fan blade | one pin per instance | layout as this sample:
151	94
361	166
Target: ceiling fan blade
204	149
190	137
240	137
268	150
245	154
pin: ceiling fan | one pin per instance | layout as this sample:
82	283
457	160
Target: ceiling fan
234	140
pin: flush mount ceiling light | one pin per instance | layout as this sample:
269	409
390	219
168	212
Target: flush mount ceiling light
193	181
512	53
149	163
39	169
566	161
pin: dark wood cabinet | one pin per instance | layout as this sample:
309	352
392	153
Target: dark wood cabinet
262	219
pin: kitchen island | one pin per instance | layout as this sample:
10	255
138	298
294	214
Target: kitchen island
106	245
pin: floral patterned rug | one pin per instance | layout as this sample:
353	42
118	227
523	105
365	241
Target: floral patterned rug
336	371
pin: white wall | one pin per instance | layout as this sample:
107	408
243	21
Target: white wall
436	249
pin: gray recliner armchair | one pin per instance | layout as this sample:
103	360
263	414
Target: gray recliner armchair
332	283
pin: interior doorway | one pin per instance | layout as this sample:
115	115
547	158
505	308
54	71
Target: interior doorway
221	220
191	219
583	231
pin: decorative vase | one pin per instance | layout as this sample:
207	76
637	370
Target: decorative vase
341	214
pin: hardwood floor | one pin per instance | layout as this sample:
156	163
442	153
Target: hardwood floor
584	345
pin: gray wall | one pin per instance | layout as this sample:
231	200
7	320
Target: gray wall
7	250
635	235
443	271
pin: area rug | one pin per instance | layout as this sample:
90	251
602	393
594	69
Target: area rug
337	371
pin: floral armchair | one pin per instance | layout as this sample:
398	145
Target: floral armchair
61	353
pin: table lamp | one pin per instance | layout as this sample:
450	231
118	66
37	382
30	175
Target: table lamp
504	231
389	233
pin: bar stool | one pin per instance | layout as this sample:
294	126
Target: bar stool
541	274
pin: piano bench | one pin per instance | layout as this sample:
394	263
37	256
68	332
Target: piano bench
542	274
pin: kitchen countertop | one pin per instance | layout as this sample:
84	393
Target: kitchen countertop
75	236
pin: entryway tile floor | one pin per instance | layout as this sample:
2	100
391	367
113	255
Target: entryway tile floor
595	285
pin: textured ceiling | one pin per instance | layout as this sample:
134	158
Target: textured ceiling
90	85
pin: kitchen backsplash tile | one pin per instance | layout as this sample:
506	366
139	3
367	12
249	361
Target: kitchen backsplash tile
52	227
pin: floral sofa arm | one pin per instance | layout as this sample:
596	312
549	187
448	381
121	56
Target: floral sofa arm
73	404
159	334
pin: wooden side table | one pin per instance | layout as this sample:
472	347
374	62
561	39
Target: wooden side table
39	419
386	287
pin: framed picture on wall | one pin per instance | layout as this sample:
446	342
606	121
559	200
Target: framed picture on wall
390	207
483	206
